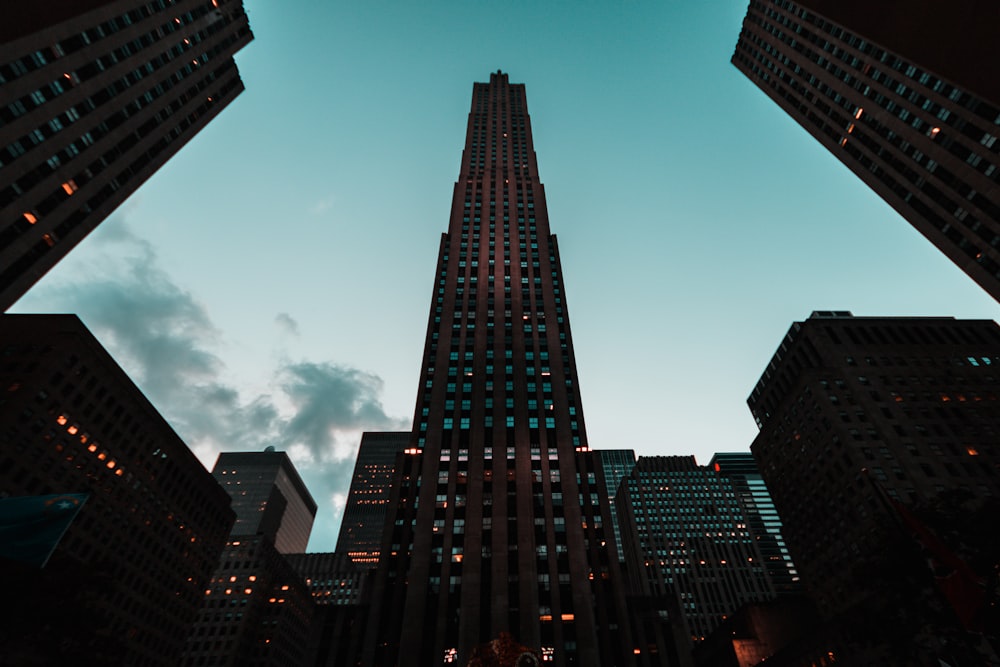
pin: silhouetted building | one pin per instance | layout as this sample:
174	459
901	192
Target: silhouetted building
878	444
907	95
268	496
687	540
98	95
368	500
761	517
338	587
498	520
128	577
257	610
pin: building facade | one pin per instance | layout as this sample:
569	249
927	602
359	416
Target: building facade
256	611
906	95
687	540
878	444
617	464
97	96
498	521
128	576
762	518
368	499
269	497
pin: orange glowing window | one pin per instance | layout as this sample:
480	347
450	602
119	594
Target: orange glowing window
636	651
69	187
61	420
30	217
567	617
49	239
285	587
111	464
857	114
92	448
935	131
72	430
972	451
248	591
232	578
843	141
252	577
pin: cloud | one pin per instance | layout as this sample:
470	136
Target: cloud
287	323
165	339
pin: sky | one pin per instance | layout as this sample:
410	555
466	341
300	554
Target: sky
271	284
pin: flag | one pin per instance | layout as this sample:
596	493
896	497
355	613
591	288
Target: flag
31	526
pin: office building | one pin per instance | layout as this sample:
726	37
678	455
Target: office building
338	585
878	444
269	497
906	95
762	518
98	94
126	580
368	499
255	611
687	540
499	523
617	464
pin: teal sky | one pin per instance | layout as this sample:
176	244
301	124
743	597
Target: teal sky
271	284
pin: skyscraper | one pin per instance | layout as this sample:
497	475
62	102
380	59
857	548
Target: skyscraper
98	95
761	517
368	499
906	95
878	444
617	464
268	496
498	521
687	540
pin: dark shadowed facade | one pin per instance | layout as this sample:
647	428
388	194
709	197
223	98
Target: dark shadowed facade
500	520
128	577
878	444
98	95
907	95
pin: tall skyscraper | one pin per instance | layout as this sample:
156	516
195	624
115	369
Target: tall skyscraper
128	577
268	496
687	540
905	94
98	95
368	500
498	521
878	444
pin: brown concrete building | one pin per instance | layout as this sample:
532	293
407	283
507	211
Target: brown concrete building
907	95
878	444
97	96
500	520
128	577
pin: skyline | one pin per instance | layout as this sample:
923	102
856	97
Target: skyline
316	180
